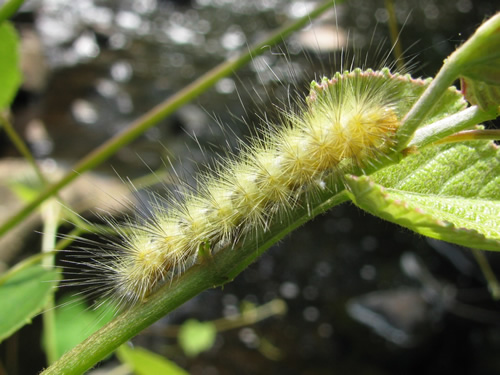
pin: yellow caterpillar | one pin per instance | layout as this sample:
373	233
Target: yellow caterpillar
348	121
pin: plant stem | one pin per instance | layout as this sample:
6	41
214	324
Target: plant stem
450	125
444	79
61	244
230	262
21	147
51	214
251	316
245	318
25	152
470	54
488	273
164	109
394	32
472	135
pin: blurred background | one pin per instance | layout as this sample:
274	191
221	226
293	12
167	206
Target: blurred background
362	296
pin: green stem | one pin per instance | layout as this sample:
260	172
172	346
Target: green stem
161	111
444	79
245	318
394	32
61	244
21	146
230	262
51	214
468	55
488	273
472	135
9	8
449	125
25	152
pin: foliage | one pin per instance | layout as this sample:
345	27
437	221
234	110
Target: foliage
27	290
9	65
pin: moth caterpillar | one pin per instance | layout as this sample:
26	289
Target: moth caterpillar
347	122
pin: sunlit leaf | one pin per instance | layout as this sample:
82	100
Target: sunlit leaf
23	296
10	75
75	321
196	337
471	222
144	362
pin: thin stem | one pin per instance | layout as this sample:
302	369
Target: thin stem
252	316
9	8
488	273
25	152
472	135
465	119
470	54
60	245
21	146
444	79
161	111
394	32
195	280
245	318
51	215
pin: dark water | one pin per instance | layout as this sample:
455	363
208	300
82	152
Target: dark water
108	62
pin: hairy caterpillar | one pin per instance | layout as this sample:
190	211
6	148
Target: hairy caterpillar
348	122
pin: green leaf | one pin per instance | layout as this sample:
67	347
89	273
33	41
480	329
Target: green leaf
75	321
26	189
23	296
196	337
450	192
10	75
468	169
480	56
144	362
471	222
484	94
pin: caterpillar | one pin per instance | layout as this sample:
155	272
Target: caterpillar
346	123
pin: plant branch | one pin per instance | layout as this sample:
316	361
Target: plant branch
488	273
21	146
230	262
394	32
436	131
472	135
244	318
444	79
479	49
51	211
